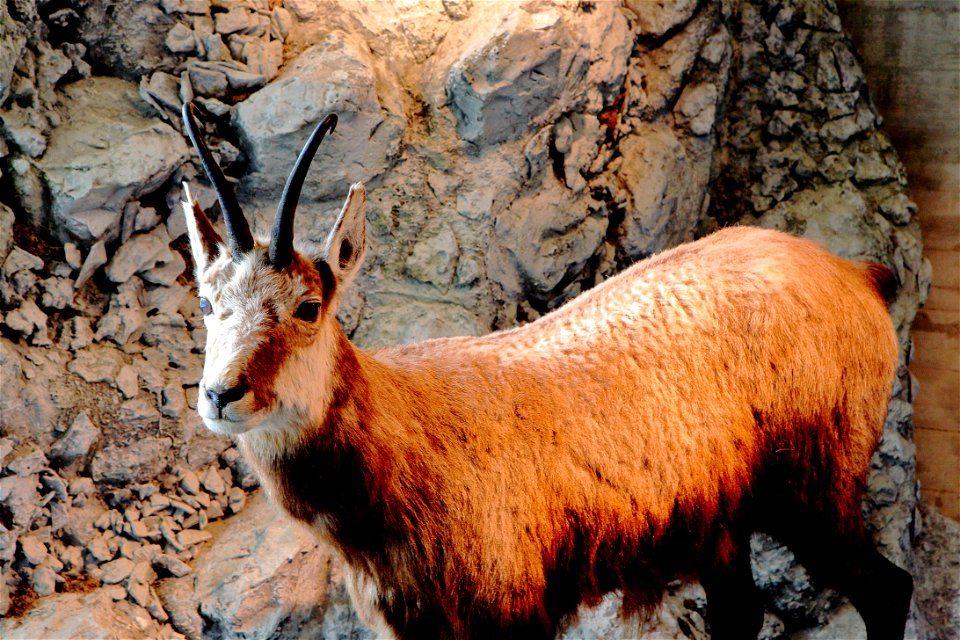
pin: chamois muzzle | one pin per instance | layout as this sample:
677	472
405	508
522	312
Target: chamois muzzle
281	237
238	231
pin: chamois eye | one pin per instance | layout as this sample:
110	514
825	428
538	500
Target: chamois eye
308	311
205	307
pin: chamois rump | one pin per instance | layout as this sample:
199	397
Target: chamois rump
484	487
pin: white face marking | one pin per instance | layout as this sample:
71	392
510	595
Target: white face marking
252	311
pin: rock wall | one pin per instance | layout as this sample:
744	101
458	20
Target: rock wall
515	153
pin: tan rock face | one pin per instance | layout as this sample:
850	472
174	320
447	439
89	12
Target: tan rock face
515	153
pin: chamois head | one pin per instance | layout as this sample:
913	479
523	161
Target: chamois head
269	310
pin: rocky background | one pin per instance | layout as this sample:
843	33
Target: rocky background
515	153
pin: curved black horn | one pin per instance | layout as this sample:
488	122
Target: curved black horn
281	238
238	231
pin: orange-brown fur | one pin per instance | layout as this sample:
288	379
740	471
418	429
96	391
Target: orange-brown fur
485	486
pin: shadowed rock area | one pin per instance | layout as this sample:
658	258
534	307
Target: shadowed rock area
515	154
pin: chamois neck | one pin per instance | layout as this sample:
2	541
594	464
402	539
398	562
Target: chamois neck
321	467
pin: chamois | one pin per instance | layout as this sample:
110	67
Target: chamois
484	487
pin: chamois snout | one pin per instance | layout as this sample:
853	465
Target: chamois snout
225	406
220	395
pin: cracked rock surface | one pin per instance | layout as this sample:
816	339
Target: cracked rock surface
515	154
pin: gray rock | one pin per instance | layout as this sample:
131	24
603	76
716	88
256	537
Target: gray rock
27	461
96	258
81	486
146	219
656	18
237	499
138	583
44	581
15	37
665	190
29	321
181	39
837	217
281	23
787	584
549	236
81	615
206	81
6	230
20	260
335	75
214	511
302	9
697	108
535	65
937	590
7	445
844	128
171	565
434	256
52	66
139	412
33	549
264	58
162	90
657	77
76	441
140	461
15	289
843	622
125	318
127	155
116	570
193	7
79	529
898	208
869	167
190	537
237	18
78	334
189	482
139	593
17	122
98	363
57	293
167	270
263	577
406	321
247	81
178	600
212	481
475	205
52	482
19	495
99	550
29	189
139	253
214	47
127	381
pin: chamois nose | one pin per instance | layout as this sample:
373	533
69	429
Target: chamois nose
220	396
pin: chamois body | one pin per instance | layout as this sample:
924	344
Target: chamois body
492	483
484	487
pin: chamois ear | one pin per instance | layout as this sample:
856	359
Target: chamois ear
347	242
205	243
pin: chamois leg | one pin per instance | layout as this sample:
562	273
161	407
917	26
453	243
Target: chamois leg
734	607
877	588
